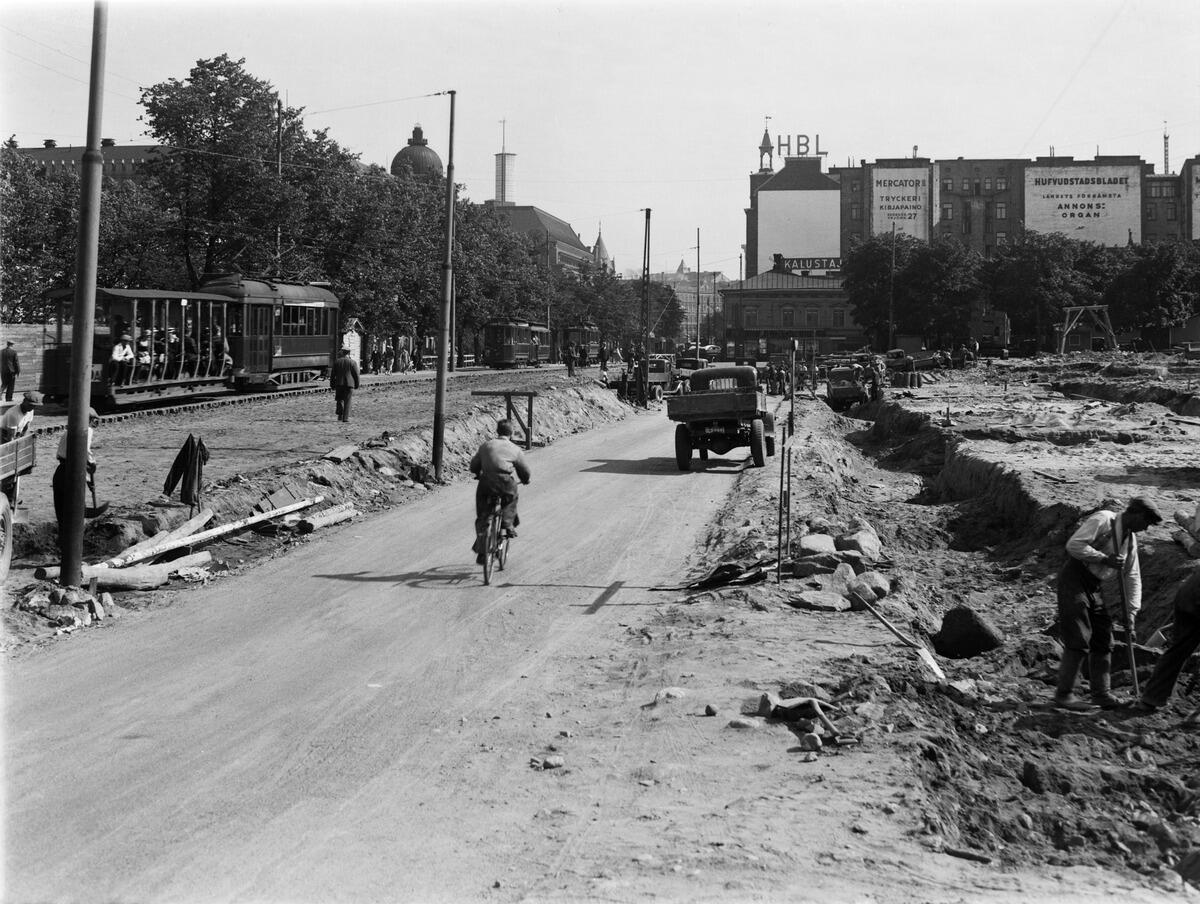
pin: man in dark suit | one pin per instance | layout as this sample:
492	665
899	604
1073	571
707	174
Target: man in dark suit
344	380
9	368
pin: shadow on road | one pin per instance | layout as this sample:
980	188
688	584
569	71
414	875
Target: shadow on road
661	466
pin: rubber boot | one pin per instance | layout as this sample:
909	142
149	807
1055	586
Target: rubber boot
1100	679
1068	671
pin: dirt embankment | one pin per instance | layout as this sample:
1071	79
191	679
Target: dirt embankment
978	519
373	474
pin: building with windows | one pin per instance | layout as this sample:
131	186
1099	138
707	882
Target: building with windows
700	300
119	161
765	312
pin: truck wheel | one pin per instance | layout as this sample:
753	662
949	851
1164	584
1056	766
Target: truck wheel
6	536
703	453
757	443
658	393
683	447
769	431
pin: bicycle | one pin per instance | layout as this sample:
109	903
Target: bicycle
495	541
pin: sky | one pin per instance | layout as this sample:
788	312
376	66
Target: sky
612	107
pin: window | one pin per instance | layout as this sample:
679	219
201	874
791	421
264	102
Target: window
987	183
947	211
966	185
947	185
1169	191
1001	210
1001	183
839	318
966	211
750	318
1001	238
856	211
855	185
788	317
1171	212
987	216
812	318
977	187
1151	212
1156	190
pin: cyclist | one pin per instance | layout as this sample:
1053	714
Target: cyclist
499	465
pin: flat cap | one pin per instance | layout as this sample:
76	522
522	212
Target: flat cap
1146	507
34	398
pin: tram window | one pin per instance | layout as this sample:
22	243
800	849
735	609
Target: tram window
235	319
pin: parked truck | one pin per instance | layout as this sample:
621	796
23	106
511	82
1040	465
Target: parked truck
724	410
17	457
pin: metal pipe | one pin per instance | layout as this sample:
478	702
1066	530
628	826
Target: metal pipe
71	542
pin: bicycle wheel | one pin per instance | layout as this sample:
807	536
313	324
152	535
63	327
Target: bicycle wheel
502	552
491	539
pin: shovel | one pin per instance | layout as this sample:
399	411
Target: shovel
94	511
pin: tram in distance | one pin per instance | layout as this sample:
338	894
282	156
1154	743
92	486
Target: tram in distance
235	332
510	343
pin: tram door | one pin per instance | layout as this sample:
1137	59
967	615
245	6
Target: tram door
258	339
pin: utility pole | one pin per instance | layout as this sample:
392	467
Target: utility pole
279	180
891	343
439	401
644	364
697	291
84	313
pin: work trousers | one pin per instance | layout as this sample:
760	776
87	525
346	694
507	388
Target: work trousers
483	508
1085	626
342	396
7	383
1186	639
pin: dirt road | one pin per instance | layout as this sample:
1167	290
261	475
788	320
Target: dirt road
356	721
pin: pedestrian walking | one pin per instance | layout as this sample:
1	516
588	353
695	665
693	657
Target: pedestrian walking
569	358
1105	544
10	367
343	378
1185	639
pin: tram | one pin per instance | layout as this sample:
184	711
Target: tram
587	342
235	332
515	343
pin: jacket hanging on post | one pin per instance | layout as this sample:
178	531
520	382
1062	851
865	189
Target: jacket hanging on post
188	471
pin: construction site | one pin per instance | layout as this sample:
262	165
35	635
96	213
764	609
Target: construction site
829	677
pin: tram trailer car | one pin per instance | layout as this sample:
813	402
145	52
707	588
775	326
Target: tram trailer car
234	332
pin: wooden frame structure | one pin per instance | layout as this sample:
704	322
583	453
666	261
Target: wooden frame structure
511	411
1097	313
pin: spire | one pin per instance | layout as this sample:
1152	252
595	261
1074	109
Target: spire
766	150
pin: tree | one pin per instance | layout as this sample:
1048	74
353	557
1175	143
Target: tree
217	170
1033	278
936	287
874	286
1158	287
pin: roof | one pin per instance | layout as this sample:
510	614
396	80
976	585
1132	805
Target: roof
537	224
783	281
801	174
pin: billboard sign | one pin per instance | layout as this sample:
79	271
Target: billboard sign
1090	202
900	197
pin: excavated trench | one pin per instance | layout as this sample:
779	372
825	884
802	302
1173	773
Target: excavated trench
1006	777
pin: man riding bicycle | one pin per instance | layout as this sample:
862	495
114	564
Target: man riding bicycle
499	465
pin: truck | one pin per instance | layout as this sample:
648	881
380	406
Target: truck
17	457
724	410
847	386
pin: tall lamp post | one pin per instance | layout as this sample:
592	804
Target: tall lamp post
697	291
439	400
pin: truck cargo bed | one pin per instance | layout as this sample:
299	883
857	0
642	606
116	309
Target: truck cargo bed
726	404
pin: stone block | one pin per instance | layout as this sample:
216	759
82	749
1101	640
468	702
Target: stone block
879	585
821	601
811	544
865	542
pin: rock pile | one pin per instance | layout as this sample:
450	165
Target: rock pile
838	569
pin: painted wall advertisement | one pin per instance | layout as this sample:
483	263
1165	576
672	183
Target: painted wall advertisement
799	224
900	197
1195	202
1088	202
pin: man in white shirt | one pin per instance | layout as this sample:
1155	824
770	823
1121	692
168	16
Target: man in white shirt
17	419
59	482
1105	544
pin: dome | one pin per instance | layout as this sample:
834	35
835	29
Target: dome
418	158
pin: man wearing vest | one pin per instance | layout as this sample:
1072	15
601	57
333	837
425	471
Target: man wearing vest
1105	544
